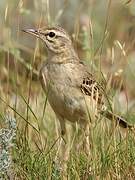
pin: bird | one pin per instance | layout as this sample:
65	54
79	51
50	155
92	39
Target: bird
71	89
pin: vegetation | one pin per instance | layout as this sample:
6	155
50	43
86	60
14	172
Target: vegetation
103	34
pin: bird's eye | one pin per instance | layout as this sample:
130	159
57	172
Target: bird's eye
51	34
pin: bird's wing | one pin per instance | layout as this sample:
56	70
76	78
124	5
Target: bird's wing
90	87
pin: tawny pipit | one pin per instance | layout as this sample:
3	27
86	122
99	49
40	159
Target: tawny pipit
71	89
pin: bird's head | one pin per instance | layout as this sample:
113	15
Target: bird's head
56	39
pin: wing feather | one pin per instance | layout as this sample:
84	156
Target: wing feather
91	88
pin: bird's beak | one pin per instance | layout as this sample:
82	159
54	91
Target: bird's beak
32	32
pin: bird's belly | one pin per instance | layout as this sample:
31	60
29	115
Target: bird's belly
67	108
70	104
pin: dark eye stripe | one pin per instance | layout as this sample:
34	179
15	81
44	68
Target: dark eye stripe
49	40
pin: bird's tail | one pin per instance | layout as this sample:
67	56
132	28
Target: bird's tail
117	119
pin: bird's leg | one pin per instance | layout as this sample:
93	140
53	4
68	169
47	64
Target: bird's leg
86	134
63	126
61	135
64	147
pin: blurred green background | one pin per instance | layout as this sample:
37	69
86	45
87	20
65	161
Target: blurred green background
103	33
